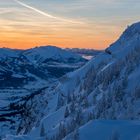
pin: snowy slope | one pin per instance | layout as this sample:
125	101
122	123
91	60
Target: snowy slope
97	130
106	130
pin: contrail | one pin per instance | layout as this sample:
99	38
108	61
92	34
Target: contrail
44	13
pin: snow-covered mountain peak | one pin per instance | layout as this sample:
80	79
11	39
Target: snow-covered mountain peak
131	31
50	53
49	47
129	39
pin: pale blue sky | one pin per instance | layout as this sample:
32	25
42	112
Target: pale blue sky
98	21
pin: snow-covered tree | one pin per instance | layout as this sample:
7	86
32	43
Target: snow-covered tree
66	112
76	135
72	107
62	131
42	130
79	117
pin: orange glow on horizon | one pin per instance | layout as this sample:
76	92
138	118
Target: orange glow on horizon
17	41
21	44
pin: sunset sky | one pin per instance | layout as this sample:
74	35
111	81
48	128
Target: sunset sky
65	23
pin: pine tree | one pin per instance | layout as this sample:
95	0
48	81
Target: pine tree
136	92
76	135
79	117
91	116
69	98
72	125
94	99
72	107
62	131
66	112
85	102
42	130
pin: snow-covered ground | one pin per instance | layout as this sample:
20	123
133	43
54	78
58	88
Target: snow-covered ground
93	130
110	130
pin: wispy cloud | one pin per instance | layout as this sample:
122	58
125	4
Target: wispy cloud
5	11
45	13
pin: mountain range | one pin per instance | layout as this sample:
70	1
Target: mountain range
23	73
100	100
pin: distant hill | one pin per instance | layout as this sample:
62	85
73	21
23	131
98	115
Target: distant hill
51	53
85	53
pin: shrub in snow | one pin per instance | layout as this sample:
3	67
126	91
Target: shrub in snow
115	136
